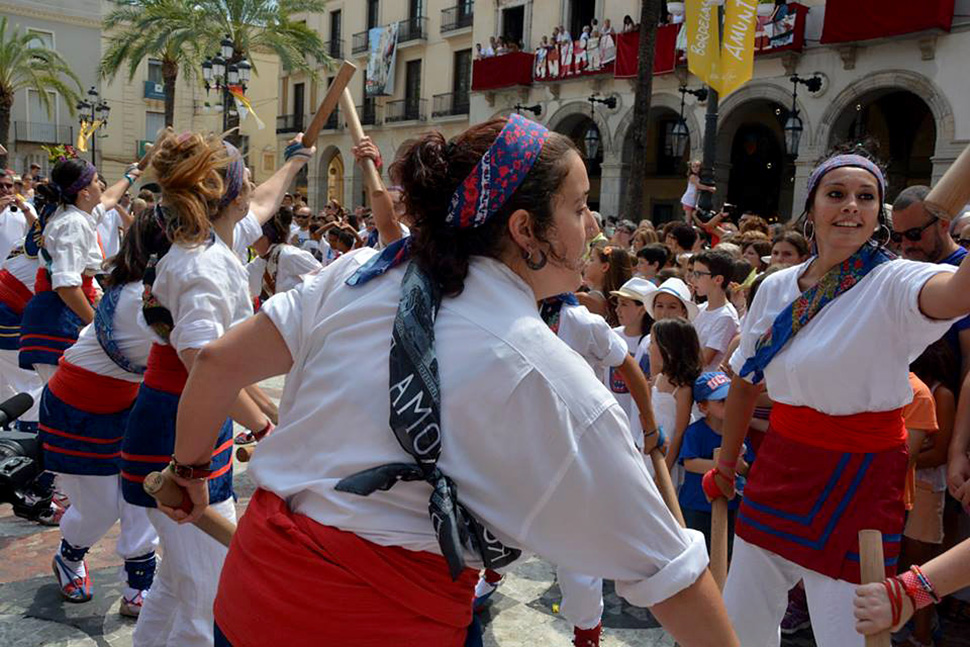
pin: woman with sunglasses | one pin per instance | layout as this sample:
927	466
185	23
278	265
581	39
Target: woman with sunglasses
832	339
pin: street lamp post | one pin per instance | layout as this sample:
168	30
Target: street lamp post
536	109
224	70
793	126
592	137
681	133
90	110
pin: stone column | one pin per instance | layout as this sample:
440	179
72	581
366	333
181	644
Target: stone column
610	187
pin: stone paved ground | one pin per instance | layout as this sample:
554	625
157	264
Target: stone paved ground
32	613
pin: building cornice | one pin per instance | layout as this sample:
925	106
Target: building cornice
53	16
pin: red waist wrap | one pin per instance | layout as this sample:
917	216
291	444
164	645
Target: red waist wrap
165	371
43	284
89	391
807	498
860	432
14	293
330	587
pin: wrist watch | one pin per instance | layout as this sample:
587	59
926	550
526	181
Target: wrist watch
191	472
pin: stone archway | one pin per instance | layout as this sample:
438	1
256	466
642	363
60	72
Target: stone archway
321	179
665	178
574	121
884	82
571	113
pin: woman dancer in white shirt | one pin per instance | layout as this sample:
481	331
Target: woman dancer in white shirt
530	434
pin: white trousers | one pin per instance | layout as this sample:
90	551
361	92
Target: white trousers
756	596
96	504
582	598
177	612
14	380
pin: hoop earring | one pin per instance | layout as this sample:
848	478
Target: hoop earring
881	238
809	237
534	265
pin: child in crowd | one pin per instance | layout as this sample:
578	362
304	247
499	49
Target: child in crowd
696	455
689	200
717	322
651	258
676	363
634	325
608	268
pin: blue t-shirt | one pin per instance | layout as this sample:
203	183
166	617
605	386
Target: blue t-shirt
953	334
700	441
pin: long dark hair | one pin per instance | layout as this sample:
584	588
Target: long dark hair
680	349
938	363
144	237
432	168
619	272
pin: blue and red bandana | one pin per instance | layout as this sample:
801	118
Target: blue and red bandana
498	174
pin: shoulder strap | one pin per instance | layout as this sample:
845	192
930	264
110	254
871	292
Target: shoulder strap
156	315
104	320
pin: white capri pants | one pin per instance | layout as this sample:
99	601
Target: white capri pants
756	596
177	612
14	380
582	598
96	504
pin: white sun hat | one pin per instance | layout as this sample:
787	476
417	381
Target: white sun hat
677	288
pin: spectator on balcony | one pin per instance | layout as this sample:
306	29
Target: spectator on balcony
579	51
492	46
501	47
594	51
479	55
628	24
552	54
565	52
540	59
780	12
607	43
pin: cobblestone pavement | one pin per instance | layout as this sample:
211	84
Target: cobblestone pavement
520	614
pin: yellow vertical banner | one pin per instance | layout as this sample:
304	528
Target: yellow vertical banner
703	41
737	51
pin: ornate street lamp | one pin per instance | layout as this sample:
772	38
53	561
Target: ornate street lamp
592	137
680	135
793	126
221	72
536	109
90	111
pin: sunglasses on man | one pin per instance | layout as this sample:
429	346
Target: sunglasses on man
913	234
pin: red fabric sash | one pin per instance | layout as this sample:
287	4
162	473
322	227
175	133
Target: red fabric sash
165	371
14	293
861	432
330	587
43	284
90	392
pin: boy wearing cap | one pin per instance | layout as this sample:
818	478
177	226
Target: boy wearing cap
697	455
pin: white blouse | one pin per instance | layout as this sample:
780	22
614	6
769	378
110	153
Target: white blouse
133	340
23	268
206	289
530	435
854	356
71	239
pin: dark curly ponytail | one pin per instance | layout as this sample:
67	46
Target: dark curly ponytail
430	170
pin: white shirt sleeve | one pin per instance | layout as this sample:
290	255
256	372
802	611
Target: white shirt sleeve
903	297
285	310
589	335
246	232
626	534
293	264
203	313
68	251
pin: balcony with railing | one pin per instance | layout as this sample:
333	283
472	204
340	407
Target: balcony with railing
335	48
412	29
42	133
368	114
405	110
359	43
782	34
457	17
155	91
290	123
450	105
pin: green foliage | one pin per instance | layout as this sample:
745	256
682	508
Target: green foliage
25	63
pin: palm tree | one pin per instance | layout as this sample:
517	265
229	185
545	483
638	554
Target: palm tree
166	30
180	32
25	63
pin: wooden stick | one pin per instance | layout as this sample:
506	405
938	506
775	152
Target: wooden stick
160	136
372	179
330	101
873	569
719	537
167	492
949	196
665	485
245	453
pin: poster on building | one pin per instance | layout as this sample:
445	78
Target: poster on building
382	44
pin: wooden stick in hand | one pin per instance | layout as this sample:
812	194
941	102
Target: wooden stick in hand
329	103
167	492
372	179
666	485
873	569
719	536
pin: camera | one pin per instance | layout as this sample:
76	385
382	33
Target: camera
22	463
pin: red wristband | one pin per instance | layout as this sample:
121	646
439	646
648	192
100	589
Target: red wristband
710	487
265	431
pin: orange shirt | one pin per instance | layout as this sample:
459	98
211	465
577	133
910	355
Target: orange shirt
918	415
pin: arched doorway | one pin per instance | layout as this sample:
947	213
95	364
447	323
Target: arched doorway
577	126
666	173
751	146
900	128
335	179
